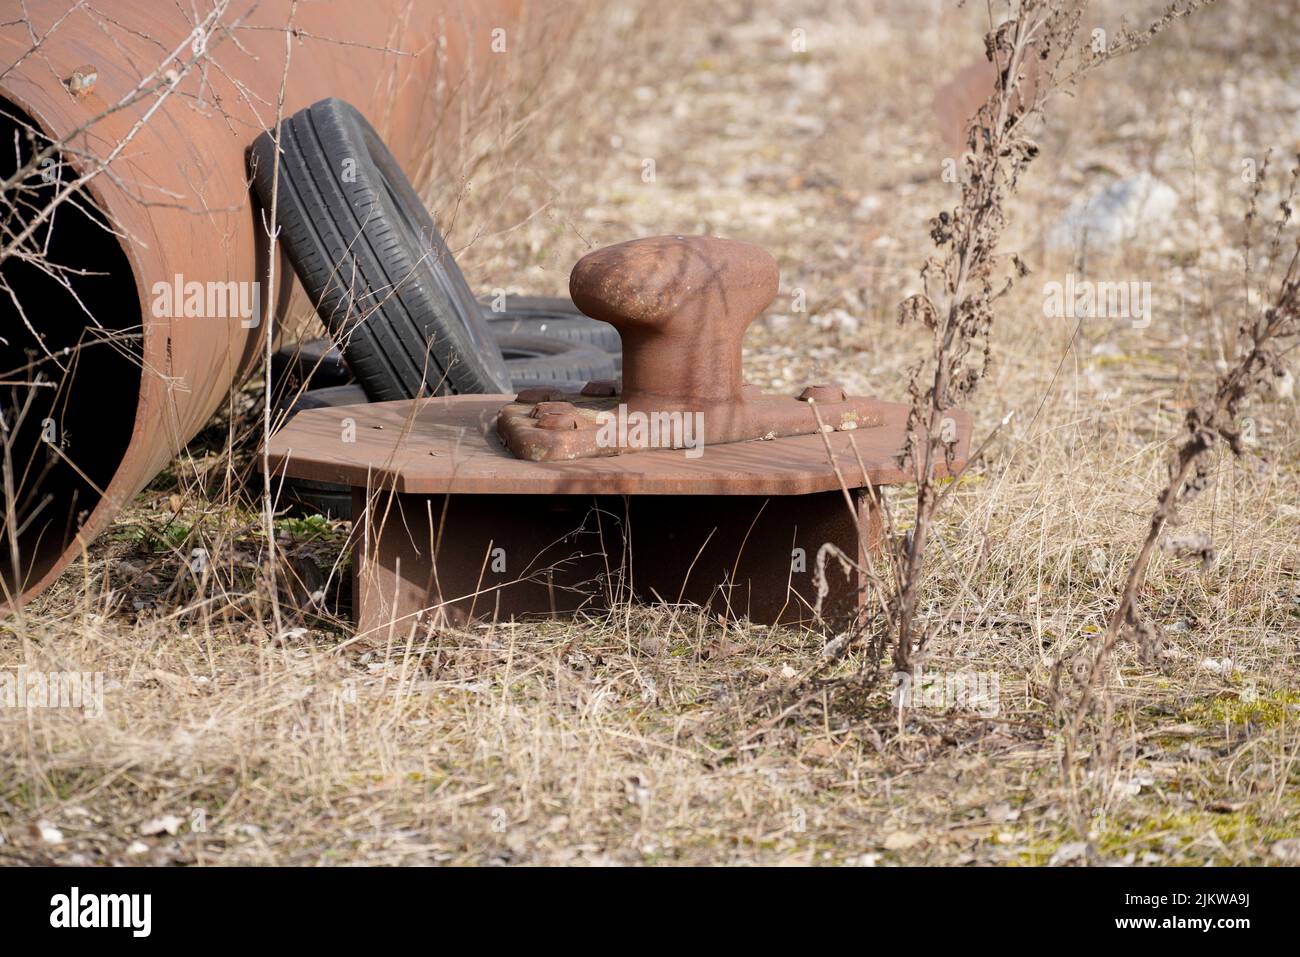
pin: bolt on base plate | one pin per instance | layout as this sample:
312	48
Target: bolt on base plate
545	425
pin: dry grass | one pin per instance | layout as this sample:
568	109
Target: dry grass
631	738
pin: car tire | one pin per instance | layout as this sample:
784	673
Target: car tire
545	316
368	254
306	496
544	361
310	364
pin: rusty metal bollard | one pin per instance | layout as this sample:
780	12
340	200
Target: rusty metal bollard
681	305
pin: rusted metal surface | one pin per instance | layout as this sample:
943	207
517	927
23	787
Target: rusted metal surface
740	530
419	558
576	426
681	305
449	444
178	193
466	509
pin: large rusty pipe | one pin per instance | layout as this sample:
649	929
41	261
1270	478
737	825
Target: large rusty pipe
176	202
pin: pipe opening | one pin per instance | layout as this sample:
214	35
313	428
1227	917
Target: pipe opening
70	348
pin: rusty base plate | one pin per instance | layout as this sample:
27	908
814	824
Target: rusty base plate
475	532
553	426
449	445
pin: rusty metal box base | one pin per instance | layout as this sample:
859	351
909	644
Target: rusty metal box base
462	558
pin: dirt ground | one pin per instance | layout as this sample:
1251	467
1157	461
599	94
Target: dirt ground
235	733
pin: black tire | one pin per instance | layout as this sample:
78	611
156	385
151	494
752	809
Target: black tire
291	403
311	364
302	497
306	496
543	361
369	256
544	316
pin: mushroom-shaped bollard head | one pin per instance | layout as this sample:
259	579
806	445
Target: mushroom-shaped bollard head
681	305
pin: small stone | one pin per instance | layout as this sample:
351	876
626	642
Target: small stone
47	832
169	823
1116	213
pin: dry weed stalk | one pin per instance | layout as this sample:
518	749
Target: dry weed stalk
1031	51
1038	51
1264	338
